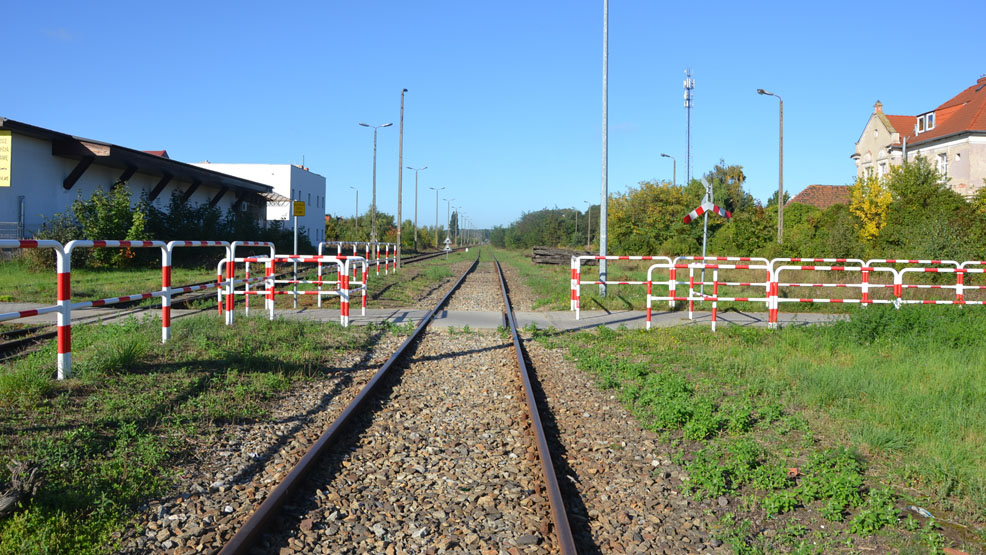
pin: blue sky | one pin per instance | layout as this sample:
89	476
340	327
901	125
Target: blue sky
504	97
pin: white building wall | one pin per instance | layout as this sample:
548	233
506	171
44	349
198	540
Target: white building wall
37	175
289	181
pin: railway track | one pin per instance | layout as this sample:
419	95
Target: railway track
20	342
441	447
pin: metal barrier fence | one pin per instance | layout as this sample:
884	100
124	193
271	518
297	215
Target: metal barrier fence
371	253
225	284
778	284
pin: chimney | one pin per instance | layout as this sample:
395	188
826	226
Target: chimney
878	107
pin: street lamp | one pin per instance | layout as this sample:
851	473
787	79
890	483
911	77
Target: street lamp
448	216
780	171
400	188
674	168
436	213
588	230
356	219
416	170
373	206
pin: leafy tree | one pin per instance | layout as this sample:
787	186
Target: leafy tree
110	216
870	200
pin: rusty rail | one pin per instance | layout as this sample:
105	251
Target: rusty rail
245	537
566	543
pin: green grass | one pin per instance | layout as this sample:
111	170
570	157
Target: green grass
19	283
888	397
107	439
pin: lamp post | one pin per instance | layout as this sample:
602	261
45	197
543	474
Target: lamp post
604	201
436	213
780	170
373	205
674	168
400	192
588	230
416	170
448	217
356	219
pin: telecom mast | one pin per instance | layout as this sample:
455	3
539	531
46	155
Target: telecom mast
689	87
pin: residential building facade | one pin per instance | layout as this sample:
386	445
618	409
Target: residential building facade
952	137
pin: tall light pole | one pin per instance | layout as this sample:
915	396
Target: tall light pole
448	217
588	231
373	206
674	168
400	178
416	170
780	171
356	219
603	205
436	213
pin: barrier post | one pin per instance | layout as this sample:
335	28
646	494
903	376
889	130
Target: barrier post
865	287
672	283
691	290
648	303
166	297
363	312
715	295
64	319
959	286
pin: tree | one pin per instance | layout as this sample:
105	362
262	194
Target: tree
870	200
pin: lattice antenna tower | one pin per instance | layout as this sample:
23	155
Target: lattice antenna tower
689	87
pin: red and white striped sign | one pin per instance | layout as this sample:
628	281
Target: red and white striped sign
707	207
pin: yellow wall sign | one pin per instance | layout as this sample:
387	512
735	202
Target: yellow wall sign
5	157
298	208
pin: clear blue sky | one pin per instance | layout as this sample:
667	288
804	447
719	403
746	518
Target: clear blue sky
504	97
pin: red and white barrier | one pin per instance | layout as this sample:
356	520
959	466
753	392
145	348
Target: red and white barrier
371	253
577	281
166	280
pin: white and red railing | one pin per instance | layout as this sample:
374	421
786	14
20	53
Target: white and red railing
788	280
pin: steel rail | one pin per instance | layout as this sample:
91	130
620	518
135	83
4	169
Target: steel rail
245	537
566	543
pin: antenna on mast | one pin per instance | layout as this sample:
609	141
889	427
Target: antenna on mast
689	87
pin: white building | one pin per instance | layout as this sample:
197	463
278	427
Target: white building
291	181
42	172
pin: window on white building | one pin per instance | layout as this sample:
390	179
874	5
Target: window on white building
920	127
929	121
882	169
942	164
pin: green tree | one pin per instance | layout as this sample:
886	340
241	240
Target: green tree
111	216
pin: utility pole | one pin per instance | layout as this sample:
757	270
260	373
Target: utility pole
373	206
436	213
400	178
604	205
356	218
416	170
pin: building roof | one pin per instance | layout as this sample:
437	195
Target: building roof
902	125
149	162
965	112
822	196
161	153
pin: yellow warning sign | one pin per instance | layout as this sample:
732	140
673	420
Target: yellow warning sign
298	208
5	156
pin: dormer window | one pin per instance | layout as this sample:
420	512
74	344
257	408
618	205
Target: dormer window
920	124
929	121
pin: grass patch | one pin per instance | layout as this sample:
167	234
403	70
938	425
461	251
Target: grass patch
106	439
814	418
22	284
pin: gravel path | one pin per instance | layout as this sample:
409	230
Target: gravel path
445	464
623	492
435	294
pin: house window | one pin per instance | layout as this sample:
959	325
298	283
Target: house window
920	124
929	121
882	169
943	164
